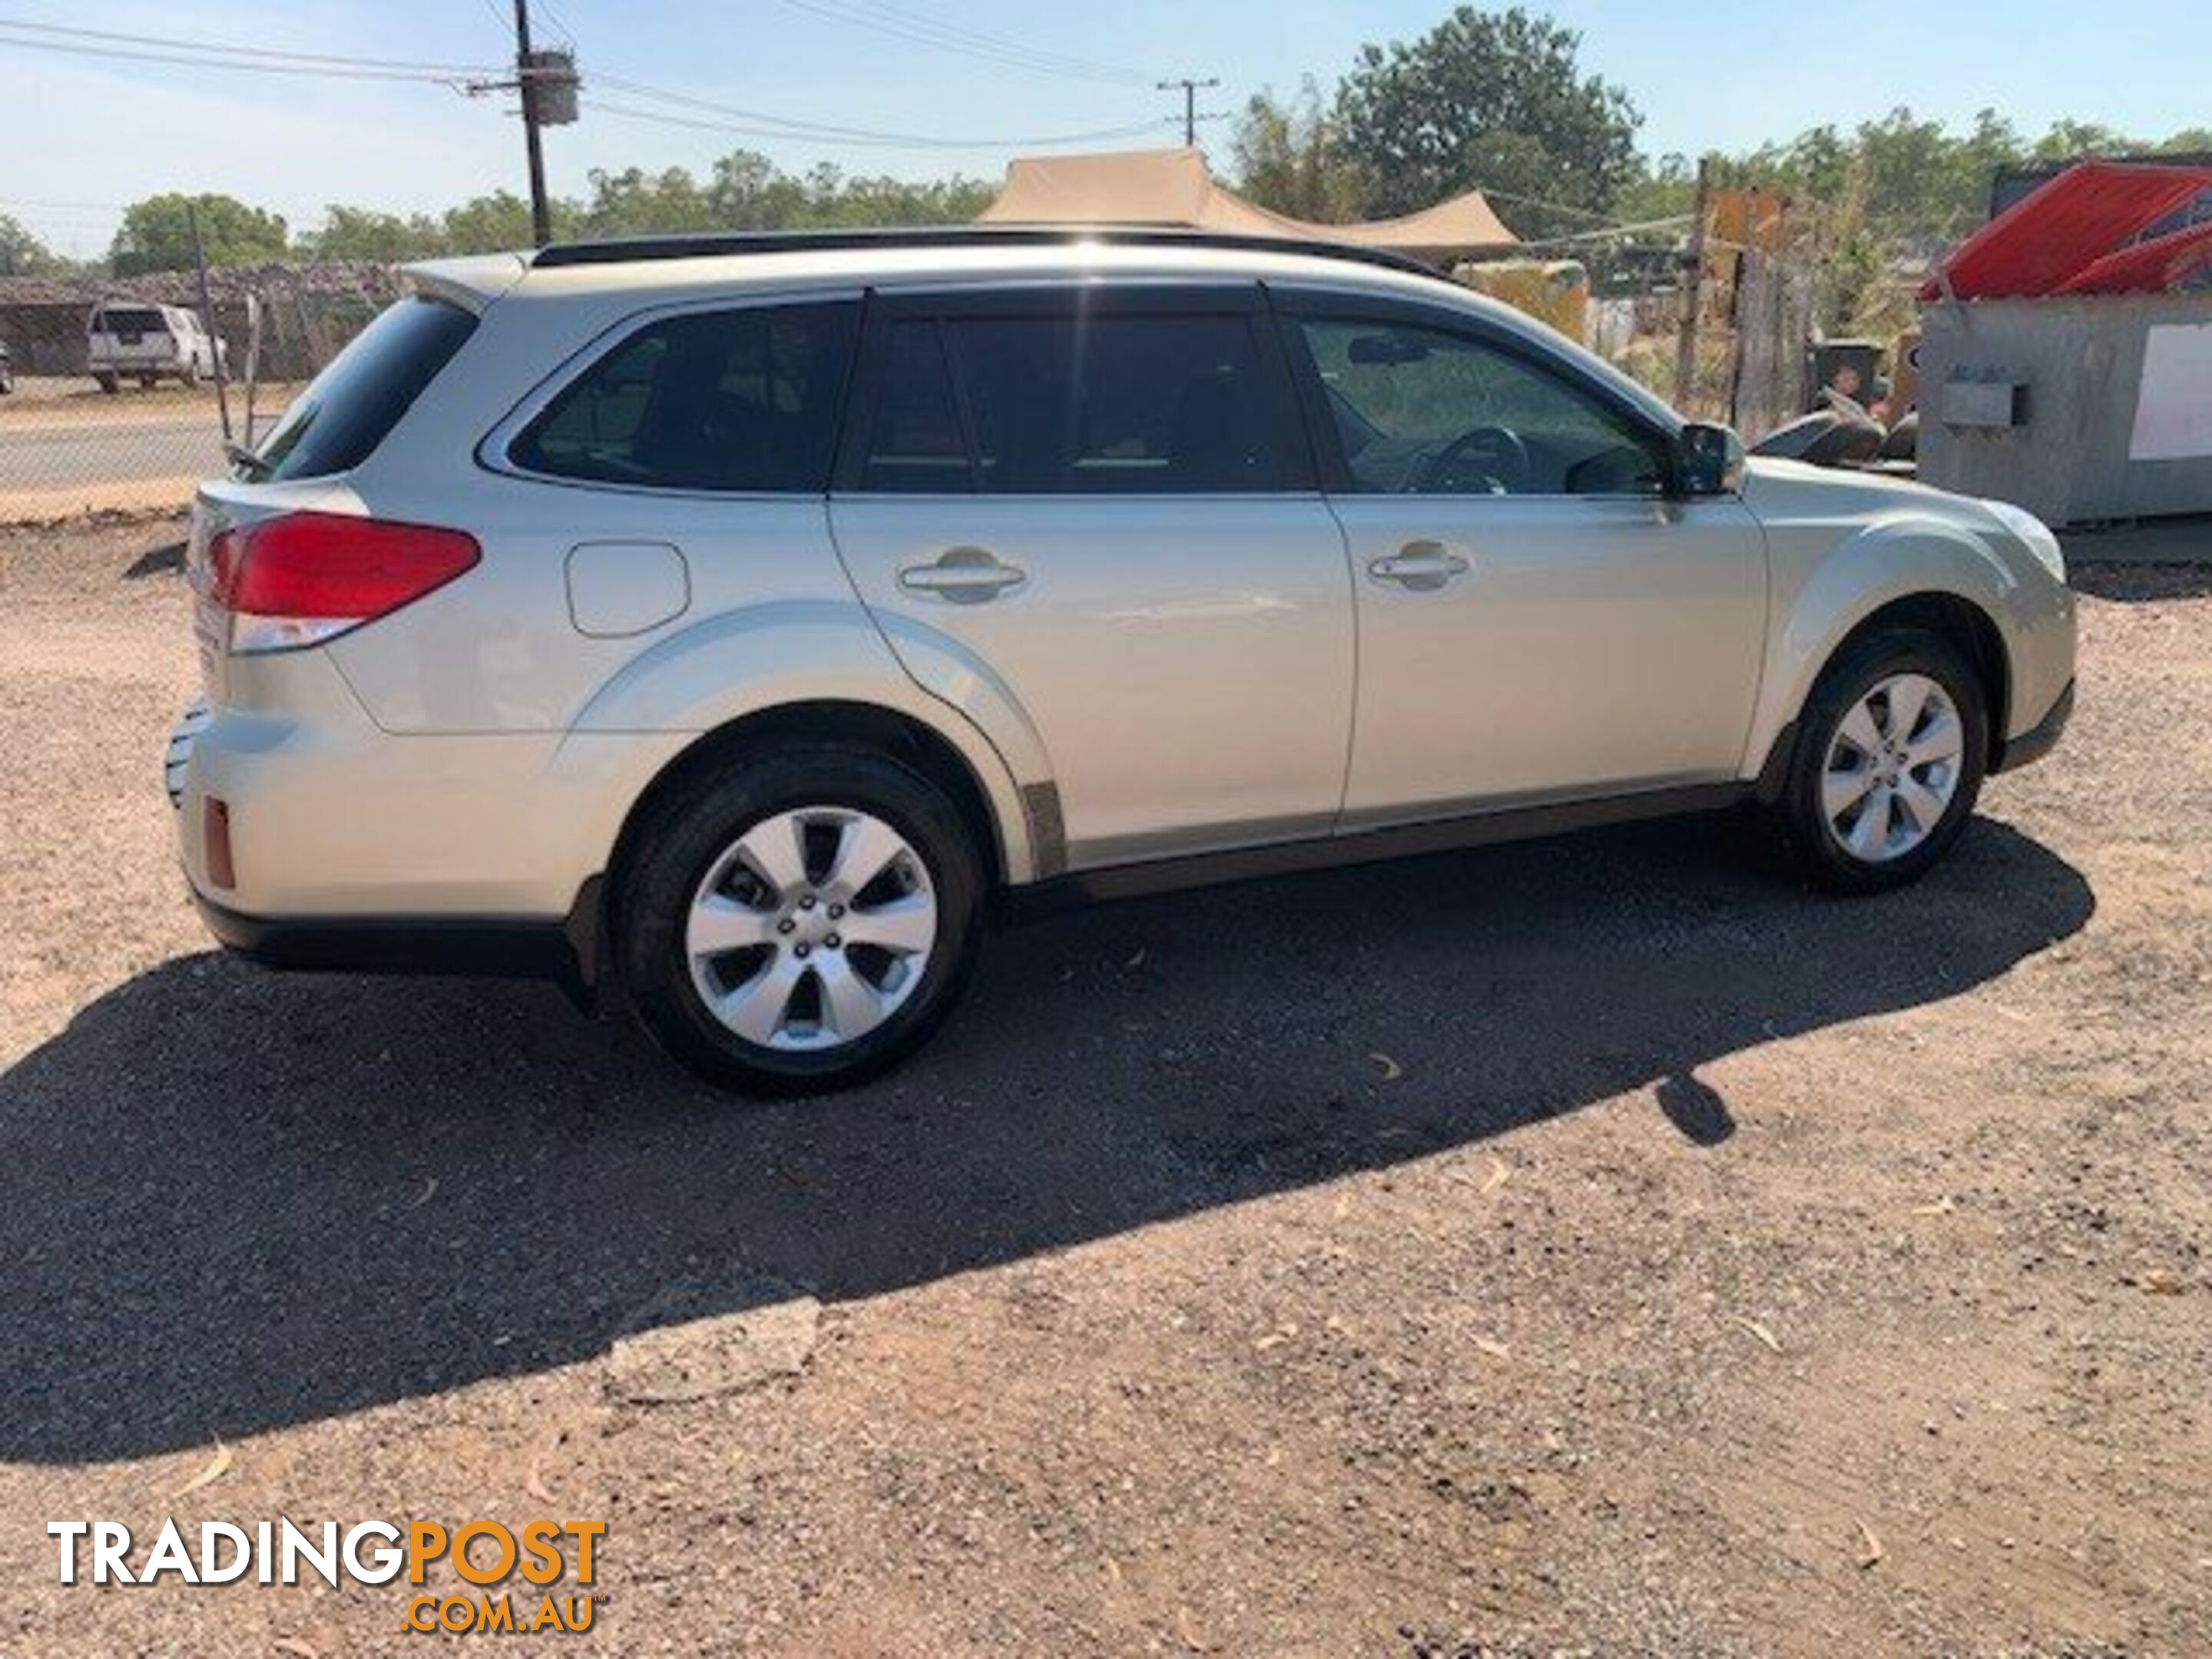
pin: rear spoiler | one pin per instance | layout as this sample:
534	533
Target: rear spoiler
471	283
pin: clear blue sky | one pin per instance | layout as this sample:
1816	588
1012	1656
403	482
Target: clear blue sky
80	134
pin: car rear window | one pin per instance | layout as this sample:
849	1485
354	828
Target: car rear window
1084	405
353	404
129	320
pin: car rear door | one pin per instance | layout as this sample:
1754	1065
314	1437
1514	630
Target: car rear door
1099	498
1538	618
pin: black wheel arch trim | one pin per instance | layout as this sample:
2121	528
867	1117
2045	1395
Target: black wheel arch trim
2010	754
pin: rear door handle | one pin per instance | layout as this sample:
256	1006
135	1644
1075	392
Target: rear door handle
964	575
1420	565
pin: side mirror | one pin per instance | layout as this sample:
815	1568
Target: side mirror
1708	460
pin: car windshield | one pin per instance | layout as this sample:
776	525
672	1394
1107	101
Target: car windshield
352	406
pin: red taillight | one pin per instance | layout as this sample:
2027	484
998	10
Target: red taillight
306	577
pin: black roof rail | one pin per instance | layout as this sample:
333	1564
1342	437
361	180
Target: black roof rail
622	250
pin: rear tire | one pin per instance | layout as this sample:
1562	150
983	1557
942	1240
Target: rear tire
800	922
1891	750
108	383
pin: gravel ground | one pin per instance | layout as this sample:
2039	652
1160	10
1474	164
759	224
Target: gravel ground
1599	1246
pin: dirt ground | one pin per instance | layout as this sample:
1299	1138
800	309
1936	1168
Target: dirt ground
1599	1247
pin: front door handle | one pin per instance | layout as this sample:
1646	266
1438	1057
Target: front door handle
1422	566
964	575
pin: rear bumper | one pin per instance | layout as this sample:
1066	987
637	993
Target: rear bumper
2039	739
493	947
330	817
278	774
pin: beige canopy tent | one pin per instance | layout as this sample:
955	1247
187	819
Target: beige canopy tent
1176	187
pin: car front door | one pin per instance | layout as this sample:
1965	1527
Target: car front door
1101	499
1538	619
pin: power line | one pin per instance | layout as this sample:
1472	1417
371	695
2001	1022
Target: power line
904	25
552	16
269	60
785	126
206	48
998	41
48	202
863	140
319	72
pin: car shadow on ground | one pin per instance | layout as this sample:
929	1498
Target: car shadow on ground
237	1200
166	559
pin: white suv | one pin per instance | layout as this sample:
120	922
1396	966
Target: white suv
738	617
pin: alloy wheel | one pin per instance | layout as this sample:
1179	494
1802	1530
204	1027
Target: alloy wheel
811	928
1892	767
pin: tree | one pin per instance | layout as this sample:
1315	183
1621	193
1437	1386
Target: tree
633	202
2068	140
23	254
156	234
835	199
1289	159
351	233
500	224
1666	189
749	193
1493	101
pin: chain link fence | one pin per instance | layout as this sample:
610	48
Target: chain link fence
135	425
75	441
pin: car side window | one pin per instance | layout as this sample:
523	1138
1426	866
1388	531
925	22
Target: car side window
1107	404
1426	411
744	399
914	442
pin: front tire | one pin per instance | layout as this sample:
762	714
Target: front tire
801	922
1892	747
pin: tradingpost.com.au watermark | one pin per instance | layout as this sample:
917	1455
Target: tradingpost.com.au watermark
558	1560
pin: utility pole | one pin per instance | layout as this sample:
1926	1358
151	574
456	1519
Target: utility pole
1693	285
1190	91
547	83
541	211
207	320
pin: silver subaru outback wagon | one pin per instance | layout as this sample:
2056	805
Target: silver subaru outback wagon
740	617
